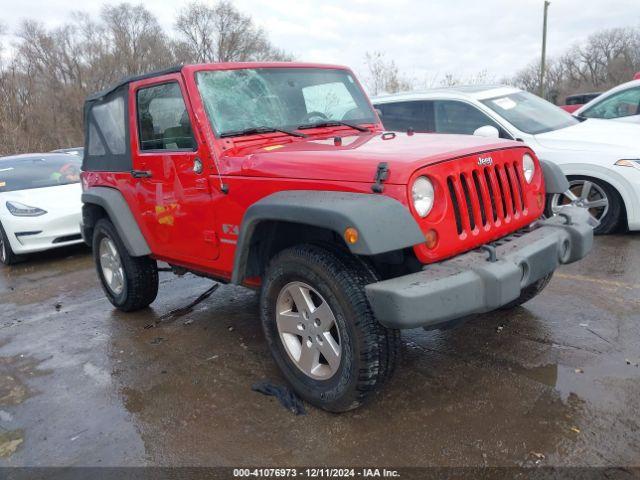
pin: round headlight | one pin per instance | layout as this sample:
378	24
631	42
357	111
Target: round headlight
423	196
528	167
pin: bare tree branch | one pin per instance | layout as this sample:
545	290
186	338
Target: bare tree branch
606	59
222	34
384	76
43	86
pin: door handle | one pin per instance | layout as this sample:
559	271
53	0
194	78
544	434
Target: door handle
141	174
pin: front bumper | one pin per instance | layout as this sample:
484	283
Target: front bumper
472	283
37	234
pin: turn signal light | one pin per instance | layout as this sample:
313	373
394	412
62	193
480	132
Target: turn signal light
431	239
351	235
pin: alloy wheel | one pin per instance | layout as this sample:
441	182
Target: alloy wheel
308	330
583	193
111	266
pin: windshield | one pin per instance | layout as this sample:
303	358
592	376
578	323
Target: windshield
284	98
25	173
621	104
529	113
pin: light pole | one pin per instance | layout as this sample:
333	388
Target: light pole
544	47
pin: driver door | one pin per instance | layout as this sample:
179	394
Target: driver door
172	187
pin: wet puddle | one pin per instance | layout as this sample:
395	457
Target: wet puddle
13	373
14	391
545	374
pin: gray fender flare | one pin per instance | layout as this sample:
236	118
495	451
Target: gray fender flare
120	215
383	224
554	180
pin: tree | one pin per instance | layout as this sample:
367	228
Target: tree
383	76
450	80
44	83
222	34
3	30
606	59
136	41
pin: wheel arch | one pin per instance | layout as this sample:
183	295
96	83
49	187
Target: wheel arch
284	219
105	202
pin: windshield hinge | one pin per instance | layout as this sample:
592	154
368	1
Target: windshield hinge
382	173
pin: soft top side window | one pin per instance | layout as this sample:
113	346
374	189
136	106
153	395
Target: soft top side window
109	117
106	133
163	119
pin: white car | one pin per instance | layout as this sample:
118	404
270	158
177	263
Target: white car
600	158
40	205
621	103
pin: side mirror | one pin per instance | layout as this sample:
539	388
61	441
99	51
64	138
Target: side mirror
487	131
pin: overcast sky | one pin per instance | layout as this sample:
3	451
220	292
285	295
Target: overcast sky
427	39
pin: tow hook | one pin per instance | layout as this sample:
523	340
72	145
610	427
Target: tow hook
491	250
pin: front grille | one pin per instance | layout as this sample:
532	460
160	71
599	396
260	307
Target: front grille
487	195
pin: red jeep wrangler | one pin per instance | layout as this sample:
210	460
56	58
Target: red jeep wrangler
280	177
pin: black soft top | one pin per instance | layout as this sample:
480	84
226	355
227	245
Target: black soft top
133	78
106	126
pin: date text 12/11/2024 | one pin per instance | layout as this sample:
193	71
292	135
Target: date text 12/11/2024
315	473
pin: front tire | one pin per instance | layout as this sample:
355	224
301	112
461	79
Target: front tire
130	283
321	330
7	257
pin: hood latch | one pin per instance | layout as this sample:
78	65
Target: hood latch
382	173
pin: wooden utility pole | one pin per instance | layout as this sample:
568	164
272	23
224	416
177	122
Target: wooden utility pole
544	47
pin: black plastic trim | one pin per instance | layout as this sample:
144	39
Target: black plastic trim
112	201
554	180
383	224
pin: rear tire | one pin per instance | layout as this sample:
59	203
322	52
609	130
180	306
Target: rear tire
528	293
130	283
7	257
332	286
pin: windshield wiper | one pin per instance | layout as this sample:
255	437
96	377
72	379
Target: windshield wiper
254	130
332	123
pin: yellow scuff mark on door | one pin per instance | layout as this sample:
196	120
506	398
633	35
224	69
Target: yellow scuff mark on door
164	214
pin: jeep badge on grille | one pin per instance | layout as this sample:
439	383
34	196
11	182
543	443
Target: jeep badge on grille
485	161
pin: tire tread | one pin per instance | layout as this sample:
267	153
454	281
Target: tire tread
141	273
11	257
380	346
